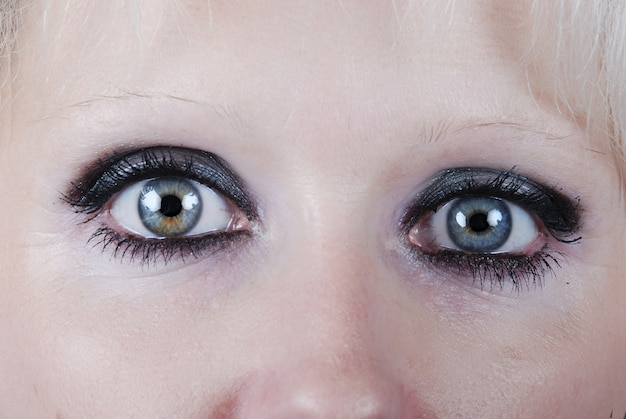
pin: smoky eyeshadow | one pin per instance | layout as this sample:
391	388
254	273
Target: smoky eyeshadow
108	176
561	215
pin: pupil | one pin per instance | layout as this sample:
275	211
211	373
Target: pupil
478	222
171	206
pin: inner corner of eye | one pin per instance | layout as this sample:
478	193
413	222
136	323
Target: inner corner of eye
418	235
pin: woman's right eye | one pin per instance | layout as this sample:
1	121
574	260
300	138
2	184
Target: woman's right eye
171	207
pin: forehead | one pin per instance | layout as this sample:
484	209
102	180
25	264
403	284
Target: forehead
362	46
369	71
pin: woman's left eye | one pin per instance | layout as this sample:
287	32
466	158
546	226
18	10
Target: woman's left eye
480	225
171	207
491	226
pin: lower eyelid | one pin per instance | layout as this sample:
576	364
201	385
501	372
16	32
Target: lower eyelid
491	272
151	252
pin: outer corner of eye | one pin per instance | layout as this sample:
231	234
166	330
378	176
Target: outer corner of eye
239	221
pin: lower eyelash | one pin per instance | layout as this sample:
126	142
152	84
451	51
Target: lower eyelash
494	271
150	251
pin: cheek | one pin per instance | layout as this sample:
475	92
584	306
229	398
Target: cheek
178	355
519	358
522	368
89	358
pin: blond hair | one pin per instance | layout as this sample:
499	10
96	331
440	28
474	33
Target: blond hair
583	48
10	14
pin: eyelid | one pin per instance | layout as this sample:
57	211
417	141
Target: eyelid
109	176
560	215
94	191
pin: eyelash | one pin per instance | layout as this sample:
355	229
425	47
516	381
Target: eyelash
92	194
559	216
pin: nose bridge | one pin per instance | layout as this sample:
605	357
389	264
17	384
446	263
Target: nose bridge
332	267
330	360
336	233
333	262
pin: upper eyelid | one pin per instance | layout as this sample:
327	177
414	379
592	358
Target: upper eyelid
110	175
560	213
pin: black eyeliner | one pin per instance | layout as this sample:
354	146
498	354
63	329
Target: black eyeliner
112	174
559	214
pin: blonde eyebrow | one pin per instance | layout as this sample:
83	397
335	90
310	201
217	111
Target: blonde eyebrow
432	134
131	96
222	111
517	126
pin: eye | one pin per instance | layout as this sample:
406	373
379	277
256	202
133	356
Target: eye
492	226
474	224
164	203
173	207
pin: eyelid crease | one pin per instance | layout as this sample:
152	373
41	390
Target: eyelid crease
559	214
110	175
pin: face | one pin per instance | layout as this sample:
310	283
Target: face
301	209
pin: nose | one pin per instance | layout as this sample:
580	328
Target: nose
323	391
331	356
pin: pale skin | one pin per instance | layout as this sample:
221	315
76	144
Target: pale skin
335	115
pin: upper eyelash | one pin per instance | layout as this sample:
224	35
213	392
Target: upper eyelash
111	175
559	214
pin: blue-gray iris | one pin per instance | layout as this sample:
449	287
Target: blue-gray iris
479	224
169	206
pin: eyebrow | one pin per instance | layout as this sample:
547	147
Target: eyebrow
432	134
223	112
134	95
516	126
